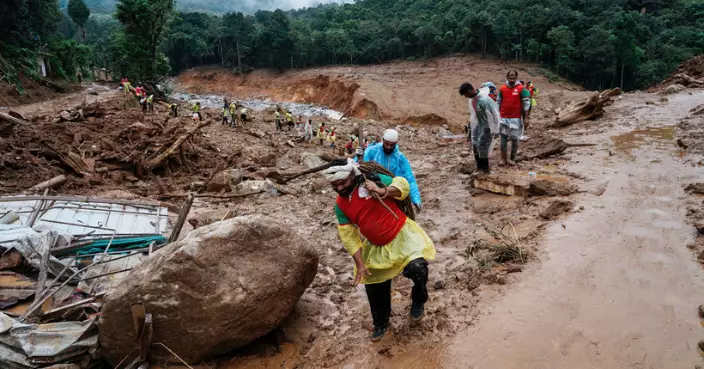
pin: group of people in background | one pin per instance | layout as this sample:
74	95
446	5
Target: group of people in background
145	100
498	114
233	113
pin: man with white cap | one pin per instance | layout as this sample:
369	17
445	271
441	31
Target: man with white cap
390	157
393	242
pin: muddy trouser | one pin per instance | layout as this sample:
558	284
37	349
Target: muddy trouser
278	124
482	164
514	145
379	294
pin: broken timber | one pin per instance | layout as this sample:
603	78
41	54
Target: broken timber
591	108
173	149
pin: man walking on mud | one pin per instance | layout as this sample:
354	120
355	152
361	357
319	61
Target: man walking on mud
388	155
483	123
514	108
393	243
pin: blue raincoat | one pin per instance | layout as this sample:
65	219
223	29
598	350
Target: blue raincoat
397	164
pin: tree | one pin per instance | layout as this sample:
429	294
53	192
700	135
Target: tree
562	39
144	22
79	13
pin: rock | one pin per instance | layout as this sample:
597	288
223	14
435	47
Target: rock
673	89
701	345
11	259
701	311
556	208
681	143
290	143
318	185
701	256
695	188
699	225
218	289
664	99
465	154
311	160
504	184
467	167
265	159
548	188
650	102
225	180
439	283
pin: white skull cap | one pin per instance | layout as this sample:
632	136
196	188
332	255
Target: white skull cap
391	135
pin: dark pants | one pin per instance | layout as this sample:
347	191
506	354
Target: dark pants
482	164
278	124
379	294
504	146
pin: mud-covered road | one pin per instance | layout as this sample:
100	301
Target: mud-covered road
617	287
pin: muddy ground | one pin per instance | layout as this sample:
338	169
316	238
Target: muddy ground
603	279
419	92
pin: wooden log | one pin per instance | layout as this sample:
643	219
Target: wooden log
290	177
72	160
12	120
182	218
591	108
51	183
159	160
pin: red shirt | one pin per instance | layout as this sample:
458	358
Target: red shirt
374	221
511	104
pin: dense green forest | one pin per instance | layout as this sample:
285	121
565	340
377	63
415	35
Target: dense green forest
598	43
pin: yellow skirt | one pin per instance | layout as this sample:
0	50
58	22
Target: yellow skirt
386	262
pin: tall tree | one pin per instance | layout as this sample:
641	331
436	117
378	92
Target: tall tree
79	13
144	23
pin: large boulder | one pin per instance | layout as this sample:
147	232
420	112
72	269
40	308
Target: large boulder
218	289
225	180
311	160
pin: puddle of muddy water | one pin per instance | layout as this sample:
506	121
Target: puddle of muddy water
216	101
632	140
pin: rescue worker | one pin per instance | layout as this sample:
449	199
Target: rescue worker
514	107
225	112
483	123
277	116
233	114
388	155
393	243
196	110
308	131
533	93
150	104
321	133
332	138
243	115
173	109
289	120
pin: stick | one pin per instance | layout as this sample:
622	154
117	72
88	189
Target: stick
157	161
51	183
307	171
182	218
66	307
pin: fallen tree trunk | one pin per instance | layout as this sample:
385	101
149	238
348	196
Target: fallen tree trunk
591	108
51	183
10	119
159	160
688	80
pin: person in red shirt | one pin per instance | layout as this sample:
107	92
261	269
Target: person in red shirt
514	108
394	243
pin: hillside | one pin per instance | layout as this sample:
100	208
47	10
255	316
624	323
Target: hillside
215	6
